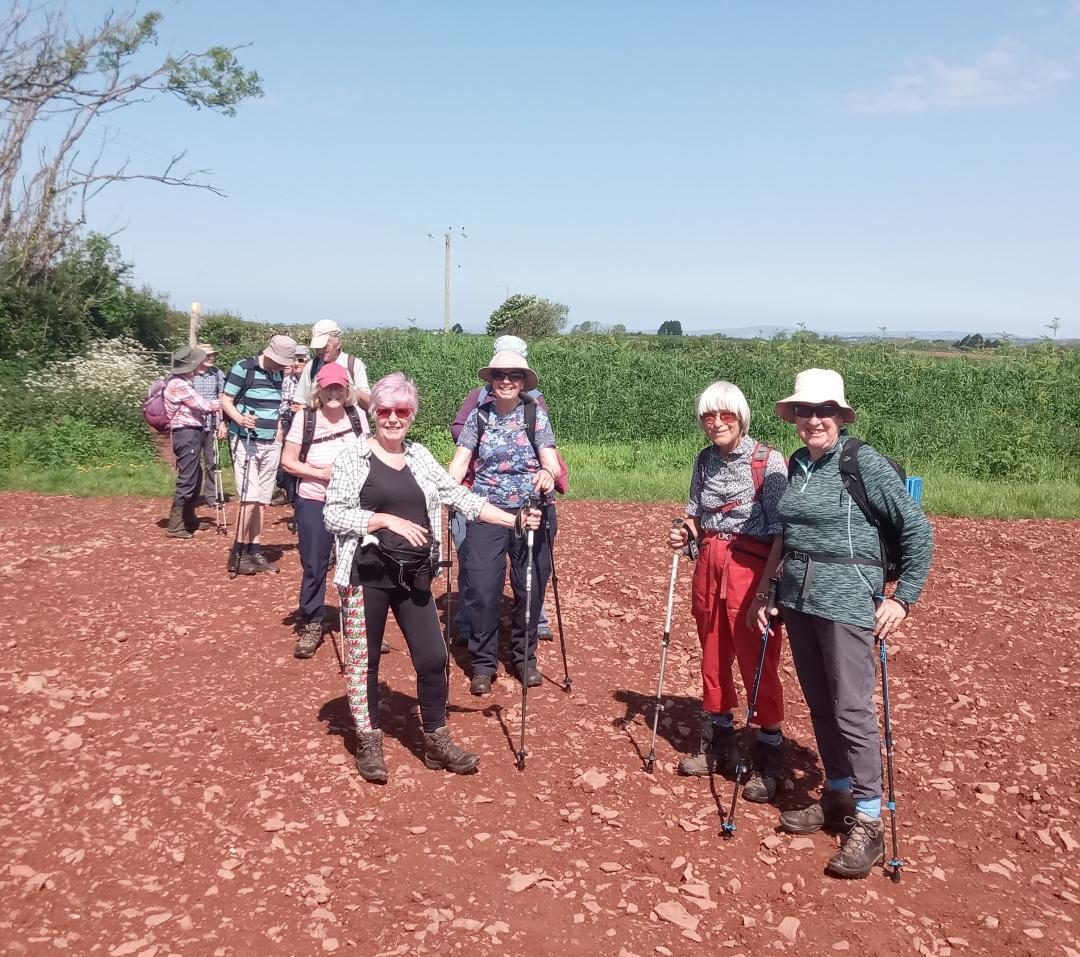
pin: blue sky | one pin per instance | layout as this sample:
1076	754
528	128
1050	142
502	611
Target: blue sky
843	164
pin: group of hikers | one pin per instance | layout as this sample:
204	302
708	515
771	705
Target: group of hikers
802	542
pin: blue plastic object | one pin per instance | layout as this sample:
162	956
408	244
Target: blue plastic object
914	487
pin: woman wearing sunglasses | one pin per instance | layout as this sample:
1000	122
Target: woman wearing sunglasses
386	483
832	602
511	470
735	487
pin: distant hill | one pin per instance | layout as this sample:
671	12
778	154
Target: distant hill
948	335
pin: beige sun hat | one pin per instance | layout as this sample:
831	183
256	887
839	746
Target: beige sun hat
281	349
511	360
816	387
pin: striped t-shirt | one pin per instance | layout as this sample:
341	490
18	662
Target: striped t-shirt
262	400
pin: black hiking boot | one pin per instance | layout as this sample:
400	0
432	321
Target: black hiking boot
441	754
766	773
480	685
531	676
834	812
191	520
863	848
717	754
176	527
369	757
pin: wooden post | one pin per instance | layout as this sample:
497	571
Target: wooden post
193	325
446	287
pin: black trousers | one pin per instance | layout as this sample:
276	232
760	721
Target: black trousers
486	549
418	620
209	459
315	544
187	447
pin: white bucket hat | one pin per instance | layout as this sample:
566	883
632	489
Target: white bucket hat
511	344
816	387
322	331
511	360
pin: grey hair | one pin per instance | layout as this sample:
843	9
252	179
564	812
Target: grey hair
724	396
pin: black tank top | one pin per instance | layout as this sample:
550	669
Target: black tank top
394	493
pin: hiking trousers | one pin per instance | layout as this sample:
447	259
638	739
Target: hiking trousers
837	668
187	447
209	459
725	581
315	543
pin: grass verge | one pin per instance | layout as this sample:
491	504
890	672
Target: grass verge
649	472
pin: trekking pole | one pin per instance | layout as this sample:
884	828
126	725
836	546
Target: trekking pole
525	663
895	864
221	518
449	584
234	558
558	609
665	641
728	826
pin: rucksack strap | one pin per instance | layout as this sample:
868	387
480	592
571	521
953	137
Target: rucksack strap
482	413
308	433
354	420
759	463
249	381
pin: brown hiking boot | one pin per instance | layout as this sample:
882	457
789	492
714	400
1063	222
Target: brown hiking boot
369	757
718	752
262	563
176	527
766	774
834	812
243	564
863	848
441	754
311	636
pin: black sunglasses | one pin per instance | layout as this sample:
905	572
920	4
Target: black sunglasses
514	375
824	411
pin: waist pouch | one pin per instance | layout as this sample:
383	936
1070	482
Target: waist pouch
410	566
822	558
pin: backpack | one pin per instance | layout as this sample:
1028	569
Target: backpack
759	462
309	430
317	362
888	533
153	409
562	479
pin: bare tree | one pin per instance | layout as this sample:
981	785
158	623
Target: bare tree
56	83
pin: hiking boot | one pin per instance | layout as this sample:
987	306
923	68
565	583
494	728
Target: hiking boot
441	754
531	676
279	498
832	813
718	753
369	757
766	772
262	563
244	565
543	633
311	636
176	527
480	684
863	848
191	520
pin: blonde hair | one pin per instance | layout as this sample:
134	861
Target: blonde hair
724	396
316	401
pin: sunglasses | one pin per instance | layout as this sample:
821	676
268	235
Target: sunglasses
513	375
728	418
825	411
385	411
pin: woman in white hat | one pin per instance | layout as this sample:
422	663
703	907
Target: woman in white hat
514	465
832	600
735	488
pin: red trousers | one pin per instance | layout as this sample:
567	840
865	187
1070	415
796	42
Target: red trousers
725	581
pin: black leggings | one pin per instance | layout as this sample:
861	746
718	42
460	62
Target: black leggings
415	613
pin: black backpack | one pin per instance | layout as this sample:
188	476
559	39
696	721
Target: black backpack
851	476
309	430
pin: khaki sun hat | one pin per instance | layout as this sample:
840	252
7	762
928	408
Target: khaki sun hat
282	350
511	360
322	331
816	387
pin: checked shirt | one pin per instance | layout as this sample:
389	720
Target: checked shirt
349	522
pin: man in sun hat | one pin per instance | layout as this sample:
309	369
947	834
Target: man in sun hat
475	398
209	382
326	344
252	403
187	411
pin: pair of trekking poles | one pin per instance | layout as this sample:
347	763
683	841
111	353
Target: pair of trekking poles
728	826
530	543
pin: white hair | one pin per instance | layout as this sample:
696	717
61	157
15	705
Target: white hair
725	396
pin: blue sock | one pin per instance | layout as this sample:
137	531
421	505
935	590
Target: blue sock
869	807
838	784
722	720
773	738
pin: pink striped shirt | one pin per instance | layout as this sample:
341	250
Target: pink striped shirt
184	406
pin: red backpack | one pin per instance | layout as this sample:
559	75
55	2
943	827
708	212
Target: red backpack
153	409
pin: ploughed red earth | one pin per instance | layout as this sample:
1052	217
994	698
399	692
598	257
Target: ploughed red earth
173	781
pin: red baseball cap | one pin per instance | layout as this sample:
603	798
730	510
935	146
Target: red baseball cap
330	373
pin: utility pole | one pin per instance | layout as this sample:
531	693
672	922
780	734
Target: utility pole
193	325
446	286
